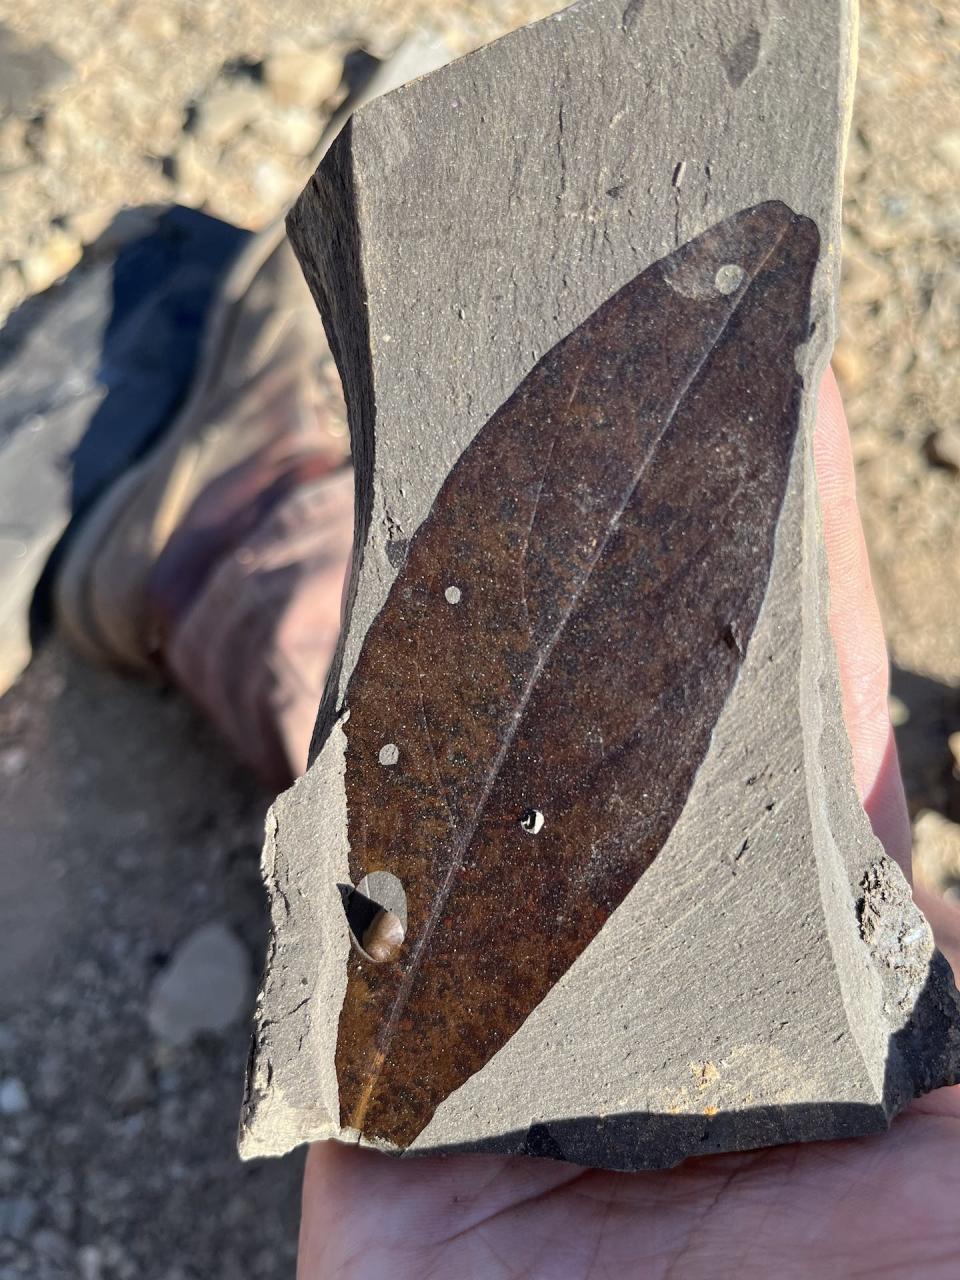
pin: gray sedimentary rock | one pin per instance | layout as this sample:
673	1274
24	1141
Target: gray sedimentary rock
768	978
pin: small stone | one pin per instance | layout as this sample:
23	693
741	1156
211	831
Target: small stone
272	184
936	850
90	224
17	1215
44	266
12	290
117	1260
50	1245
204	988
850	364
225	112
134	1088
295	130
943	448
953	743
27	72
302	77
63	1213
193	170
864	277
15	151
899	711
9	1174
89	1262
152	23
13	761
947	149
50	135
51	1078
383	937
13	1097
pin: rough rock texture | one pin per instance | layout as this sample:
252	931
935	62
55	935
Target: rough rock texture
518	758
769	979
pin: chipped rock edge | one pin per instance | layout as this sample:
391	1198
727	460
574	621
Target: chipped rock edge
856	882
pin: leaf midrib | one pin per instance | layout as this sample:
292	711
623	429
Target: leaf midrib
460	848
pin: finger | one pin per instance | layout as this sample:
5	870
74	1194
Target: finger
857	631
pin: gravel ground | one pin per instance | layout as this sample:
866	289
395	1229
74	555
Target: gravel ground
125	829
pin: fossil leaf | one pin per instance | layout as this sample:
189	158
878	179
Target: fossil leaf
532	703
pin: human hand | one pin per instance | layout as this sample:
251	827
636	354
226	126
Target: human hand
883	1205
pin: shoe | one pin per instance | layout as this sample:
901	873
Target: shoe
264	416
264	413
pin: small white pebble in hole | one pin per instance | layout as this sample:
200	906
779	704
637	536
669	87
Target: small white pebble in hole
532	822
452	595
728	277
389	753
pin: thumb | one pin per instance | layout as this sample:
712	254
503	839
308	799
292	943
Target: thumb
857	632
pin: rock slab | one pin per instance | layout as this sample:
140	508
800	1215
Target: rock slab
768	979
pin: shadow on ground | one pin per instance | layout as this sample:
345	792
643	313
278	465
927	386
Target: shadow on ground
123	827
932	713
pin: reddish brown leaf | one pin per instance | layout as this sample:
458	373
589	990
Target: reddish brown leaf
533	701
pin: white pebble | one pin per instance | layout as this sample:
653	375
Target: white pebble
13	1097
13	761
389	753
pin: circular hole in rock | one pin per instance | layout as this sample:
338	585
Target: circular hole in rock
376	912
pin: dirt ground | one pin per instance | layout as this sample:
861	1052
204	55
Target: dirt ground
125	827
